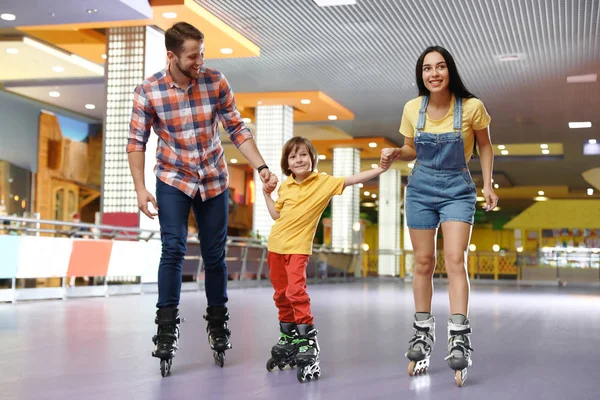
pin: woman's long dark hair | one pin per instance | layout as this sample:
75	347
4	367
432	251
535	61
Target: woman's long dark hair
456	86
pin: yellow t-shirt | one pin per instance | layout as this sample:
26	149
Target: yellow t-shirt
474	117
300	206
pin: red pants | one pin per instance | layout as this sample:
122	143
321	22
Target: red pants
288	277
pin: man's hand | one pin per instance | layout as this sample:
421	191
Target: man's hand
143	197
271	183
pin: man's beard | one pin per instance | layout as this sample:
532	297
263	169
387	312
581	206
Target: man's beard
184	72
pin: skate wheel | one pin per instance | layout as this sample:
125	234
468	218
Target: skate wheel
270	364
165	367
300	375
411	368
317	375
220	359
458	378
281	367
293	364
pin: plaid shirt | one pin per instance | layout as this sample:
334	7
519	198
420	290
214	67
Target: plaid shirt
189	155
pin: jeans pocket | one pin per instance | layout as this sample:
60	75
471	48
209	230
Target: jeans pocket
468	180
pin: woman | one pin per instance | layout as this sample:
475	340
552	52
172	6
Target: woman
443	128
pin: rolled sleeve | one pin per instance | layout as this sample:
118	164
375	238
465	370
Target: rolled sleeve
142	117
229	115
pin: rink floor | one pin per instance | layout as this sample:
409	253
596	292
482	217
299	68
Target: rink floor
530	343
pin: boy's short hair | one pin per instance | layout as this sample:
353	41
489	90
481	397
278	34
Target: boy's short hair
289	147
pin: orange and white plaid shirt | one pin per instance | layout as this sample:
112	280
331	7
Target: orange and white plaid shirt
189	155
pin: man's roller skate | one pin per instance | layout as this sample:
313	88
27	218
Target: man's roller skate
459	347
218	334
284	352
421	344
166	340
307	358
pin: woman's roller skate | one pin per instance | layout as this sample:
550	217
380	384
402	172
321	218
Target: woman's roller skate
218	334
307	358
284	352
421	344
459	347
166	340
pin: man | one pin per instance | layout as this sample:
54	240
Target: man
183	103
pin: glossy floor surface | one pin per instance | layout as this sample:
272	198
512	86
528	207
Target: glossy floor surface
530	343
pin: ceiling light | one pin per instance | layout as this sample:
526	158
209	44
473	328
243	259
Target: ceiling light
58	68
501	147
332	117
12	50
504	152
496	208
582	78
54	94
368	204
360	185
92	11
169	15
496	248
90	106
103	56
367	193
305	101
496	186
329	3
226	50
372	145
578	125
540	198
590	191
374	196
411	165
472	247
480	198
543	146
322	156
8	17
520	249
234	161
541	193
247	120
545	151
592	141
72	58
509	57
374	166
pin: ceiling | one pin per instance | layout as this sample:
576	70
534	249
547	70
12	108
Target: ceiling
363	57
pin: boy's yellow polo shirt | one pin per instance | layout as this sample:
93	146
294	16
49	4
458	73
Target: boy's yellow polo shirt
300	207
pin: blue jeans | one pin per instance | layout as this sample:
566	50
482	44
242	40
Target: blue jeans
211	216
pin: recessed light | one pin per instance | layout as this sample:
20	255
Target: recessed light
247	120
372	145
520	249
582	78
332	117
590	191
541	193
12	50
509	57
501	147
92	11
579	125
373	196
592	141
545	151
305	101
360	185
540	198
496	186
504	152
374	166
103	56
226	50
234	160
367	193
58	68
169	15
496	208
8	17
90	106
329	3
322	156
480	198
411	165
496	248
543	146
472	247
54	94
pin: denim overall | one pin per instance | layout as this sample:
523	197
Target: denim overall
440	187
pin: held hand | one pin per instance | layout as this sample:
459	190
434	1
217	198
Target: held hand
265	175
388	156
143	198
491	198
271	184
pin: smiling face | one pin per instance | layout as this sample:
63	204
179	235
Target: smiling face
190	58
300	162
435	73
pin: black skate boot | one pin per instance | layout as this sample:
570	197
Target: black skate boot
307	358
459	347
218	334
166	340
421	344
284	352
